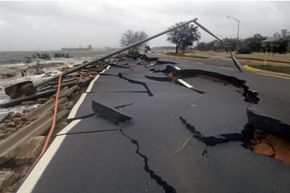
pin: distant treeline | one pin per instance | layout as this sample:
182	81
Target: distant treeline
45	56
248	45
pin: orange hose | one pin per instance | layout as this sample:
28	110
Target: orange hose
53	126
52	129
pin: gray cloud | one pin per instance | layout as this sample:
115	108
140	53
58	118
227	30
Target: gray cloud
53	25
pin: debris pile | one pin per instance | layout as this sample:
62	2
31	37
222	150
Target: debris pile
22	134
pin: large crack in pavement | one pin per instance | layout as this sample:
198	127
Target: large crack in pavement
249	95
269	125
166	187
211	140
261	134
137	82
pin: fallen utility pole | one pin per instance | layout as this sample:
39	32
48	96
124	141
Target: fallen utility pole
236	62
116	52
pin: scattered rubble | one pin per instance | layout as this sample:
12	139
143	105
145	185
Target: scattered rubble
22	134
7	178
21	89
35	123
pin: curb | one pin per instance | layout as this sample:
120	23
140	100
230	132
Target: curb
265	72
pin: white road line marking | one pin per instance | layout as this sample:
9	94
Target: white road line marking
69	126
32	179
89	89
92	83
184	83
76	107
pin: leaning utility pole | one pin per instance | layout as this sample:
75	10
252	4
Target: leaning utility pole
236	62
117	52
137	44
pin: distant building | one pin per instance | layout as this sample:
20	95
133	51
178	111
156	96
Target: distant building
277	38
285	33
77	49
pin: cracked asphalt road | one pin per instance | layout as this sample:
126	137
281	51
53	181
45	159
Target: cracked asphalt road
178	140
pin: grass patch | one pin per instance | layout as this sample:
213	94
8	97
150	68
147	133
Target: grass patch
283	69
186	56
259	59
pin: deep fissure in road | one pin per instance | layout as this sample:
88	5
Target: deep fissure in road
166	187
137	82
211	140
269	136
261	134
173	74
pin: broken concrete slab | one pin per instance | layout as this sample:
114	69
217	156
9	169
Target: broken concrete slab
110	113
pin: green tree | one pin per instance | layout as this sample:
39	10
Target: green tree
255	43
282	47
212	45
183	37
232	43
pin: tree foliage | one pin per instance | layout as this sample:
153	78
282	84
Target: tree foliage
130	37
255	43
61	55
183	37
251	44
37	57
280	48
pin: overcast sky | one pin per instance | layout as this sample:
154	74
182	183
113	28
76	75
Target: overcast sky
53	25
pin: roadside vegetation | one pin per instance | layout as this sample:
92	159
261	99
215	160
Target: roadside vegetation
252	49
187	55
270	57
247	46
280	69
183	37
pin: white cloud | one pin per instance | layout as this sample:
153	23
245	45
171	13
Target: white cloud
52	25
3	22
